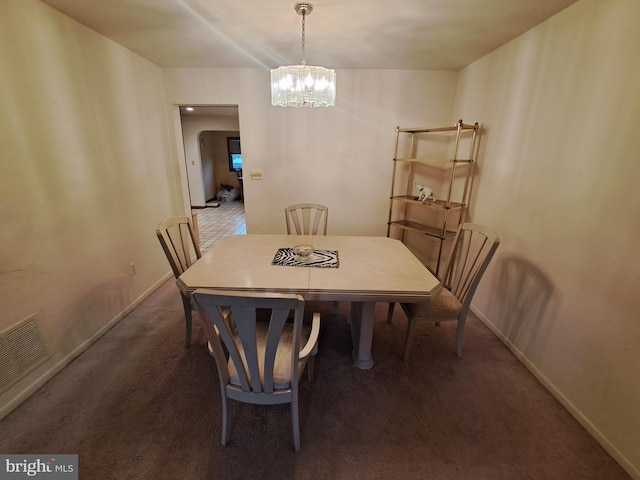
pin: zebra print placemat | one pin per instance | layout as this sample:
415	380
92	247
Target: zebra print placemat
319	258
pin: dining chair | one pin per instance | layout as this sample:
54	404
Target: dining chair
266	353
472	250
307	218
179	243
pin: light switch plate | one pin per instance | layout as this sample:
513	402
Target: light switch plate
255	174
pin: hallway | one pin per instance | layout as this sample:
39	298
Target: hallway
213	223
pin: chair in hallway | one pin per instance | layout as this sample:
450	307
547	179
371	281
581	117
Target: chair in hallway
472	250
176	235
266	353
307	218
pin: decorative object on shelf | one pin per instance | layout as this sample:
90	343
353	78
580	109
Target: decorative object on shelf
425	193
303	85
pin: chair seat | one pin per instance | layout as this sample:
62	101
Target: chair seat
443	307
282	364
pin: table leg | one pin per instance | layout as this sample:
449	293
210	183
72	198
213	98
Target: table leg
362	316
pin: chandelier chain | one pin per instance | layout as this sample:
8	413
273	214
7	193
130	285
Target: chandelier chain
304	16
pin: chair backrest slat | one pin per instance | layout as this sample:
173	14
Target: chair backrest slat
247	367
276	326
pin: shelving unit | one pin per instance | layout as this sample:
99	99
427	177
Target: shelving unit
450	180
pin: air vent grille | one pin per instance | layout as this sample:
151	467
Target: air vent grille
21	350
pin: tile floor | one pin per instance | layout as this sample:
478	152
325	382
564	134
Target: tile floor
217	222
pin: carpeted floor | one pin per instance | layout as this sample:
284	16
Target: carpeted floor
138	405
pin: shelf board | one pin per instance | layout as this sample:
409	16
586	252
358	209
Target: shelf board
418	227
436	163
436	204
450	128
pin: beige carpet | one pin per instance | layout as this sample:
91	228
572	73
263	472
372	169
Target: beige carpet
137	405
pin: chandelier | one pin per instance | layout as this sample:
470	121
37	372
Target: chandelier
303	85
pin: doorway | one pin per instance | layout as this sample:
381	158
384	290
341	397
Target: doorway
205	134
211	144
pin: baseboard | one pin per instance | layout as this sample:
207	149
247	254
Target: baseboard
564	401
59	366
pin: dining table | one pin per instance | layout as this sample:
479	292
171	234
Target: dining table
361	270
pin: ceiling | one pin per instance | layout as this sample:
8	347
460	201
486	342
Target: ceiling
340	34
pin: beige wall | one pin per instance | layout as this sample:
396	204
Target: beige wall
559	168
340	157
90	166
86	174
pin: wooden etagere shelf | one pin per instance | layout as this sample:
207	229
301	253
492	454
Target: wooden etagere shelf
450	179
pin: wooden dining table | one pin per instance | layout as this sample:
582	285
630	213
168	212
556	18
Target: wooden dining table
362	270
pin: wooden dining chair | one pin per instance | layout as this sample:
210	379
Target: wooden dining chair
176	235
307	218
472	250
266	353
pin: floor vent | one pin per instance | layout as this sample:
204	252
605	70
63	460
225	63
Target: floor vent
21	350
